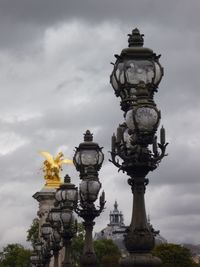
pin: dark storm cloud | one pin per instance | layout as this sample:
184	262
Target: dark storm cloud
23	22
48	12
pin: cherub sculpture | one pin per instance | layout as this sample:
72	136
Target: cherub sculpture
52	168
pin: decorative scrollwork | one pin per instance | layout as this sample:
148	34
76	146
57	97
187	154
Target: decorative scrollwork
125	146
88	211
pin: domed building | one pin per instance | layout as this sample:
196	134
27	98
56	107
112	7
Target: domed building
116	230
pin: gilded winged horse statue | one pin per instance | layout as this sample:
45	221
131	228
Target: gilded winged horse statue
52	168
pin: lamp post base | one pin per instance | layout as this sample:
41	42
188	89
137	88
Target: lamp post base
140	260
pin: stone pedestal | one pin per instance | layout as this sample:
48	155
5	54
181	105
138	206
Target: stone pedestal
46	198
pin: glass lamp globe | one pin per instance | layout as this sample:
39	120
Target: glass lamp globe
46	250
129	138
38	247
89	190
146	118
54	216
143	119
130	73
66	195
58	195
88	154
46	230
67	217
34	259
56	238
136	64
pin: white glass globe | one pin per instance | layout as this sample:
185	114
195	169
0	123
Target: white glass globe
146	118
129	120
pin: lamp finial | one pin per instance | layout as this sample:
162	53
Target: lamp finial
88	136
135	38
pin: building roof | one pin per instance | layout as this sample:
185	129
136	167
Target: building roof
116	229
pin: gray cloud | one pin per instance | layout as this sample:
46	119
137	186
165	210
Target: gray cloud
22	23
49	12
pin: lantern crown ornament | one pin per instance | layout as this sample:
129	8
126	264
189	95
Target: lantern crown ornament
136	64
135	39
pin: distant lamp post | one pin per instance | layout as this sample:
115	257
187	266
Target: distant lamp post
35	260
38	250
55	246
46	232
54	220
63	218
36	257
88	160
135	77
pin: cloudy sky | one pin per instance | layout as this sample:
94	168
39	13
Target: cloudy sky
54	84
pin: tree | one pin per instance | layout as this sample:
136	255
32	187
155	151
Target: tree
33	232
173	255
15	255
107	252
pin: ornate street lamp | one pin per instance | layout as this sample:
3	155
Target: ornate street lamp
35	260
38	250
135	77
54	219
55	245
62	218
46	232
88	160
36	257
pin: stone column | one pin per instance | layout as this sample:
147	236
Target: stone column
46	198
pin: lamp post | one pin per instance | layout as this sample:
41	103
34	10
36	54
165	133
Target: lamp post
55	246
88	160
54	219
38	252
35	260
135	78
66	198
46	232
